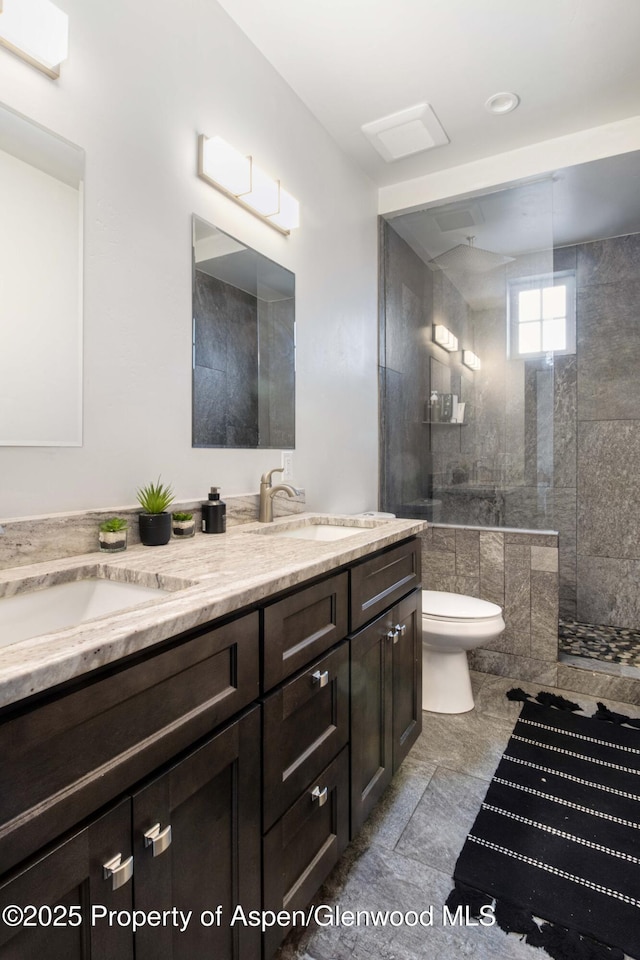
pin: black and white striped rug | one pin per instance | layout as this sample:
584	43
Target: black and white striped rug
558	834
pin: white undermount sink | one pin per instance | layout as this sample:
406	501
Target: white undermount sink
319	529
61	605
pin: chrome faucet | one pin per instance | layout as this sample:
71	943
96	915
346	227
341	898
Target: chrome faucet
268	492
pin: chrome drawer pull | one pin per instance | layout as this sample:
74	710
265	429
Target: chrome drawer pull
320	795
392	635
120	871
322	679
158	840
401	629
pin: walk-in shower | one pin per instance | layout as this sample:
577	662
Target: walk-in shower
510	350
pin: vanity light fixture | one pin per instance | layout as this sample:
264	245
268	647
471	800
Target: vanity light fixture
444	338
239	177
470	360
37	31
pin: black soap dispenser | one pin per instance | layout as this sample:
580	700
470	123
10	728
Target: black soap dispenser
214	513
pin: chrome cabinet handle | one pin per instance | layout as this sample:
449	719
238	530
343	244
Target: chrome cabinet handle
120	871
393	635
320	795
322	679
159	840
401	629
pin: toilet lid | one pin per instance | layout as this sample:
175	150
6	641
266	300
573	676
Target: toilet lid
457	606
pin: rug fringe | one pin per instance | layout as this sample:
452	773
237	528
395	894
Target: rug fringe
544	698
603	713
559	942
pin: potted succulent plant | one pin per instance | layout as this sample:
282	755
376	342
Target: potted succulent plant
155	522
183	524
112	535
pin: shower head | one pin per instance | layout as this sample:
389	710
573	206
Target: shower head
467	258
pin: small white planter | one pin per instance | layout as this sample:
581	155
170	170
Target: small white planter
113	541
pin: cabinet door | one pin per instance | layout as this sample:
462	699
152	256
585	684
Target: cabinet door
204	814
371	713
63	883
406	647
386	701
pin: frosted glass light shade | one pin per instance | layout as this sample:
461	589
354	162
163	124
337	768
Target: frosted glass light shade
237	176
37	31
470	360
444	338
288	216
263	194
225	165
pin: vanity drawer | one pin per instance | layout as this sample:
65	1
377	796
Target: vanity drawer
300	627
67	757
302	848
305	724
383	580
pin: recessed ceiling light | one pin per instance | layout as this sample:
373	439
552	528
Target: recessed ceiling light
501	103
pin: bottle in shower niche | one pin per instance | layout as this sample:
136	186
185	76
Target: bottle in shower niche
214	513
433	410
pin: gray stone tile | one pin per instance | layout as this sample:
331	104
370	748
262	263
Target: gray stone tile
608	591
544	558
517	600
492	699
432	835
467	553
622	689
384	880
492	567
467	742
544	615
609	507
608	350
508	665
398	803
565	408
438	571
608	261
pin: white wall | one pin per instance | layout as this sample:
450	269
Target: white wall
143	79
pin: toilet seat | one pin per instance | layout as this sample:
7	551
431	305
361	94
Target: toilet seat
439	605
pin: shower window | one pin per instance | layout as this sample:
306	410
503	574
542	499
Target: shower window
542	315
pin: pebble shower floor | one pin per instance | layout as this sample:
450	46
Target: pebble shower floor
598	642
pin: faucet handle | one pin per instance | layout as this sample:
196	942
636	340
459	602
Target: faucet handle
266	477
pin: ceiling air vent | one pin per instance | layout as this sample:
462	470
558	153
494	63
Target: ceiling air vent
405	133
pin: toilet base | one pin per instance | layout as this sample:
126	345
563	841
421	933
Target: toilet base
446	684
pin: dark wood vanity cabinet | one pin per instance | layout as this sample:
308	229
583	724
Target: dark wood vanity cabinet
225	768
188	839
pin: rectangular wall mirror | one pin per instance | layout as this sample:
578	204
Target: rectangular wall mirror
41	199
243	345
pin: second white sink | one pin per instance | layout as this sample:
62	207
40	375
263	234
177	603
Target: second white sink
318	531
62	605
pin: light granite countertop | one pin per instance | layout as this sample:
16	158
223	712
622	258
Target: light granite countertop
208	577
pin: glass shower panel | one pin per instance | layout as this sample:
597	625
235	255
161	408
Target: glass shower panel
466	442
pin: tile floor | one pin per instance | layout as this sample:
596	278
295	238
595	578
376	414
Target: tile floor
600	642
404	857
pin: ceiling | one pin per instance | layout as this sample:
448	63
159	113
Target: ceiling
573	63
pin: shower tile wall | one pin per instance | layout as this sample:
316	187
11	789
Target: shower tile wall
518	571
597	431
225	374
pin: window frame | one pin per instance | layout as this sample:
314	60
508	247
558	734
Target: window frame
539	282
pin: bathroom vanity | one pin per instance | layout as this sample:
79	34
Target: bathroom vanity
216	752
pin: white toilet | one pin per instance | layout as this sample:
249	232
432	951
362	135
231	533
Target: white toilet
452	624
